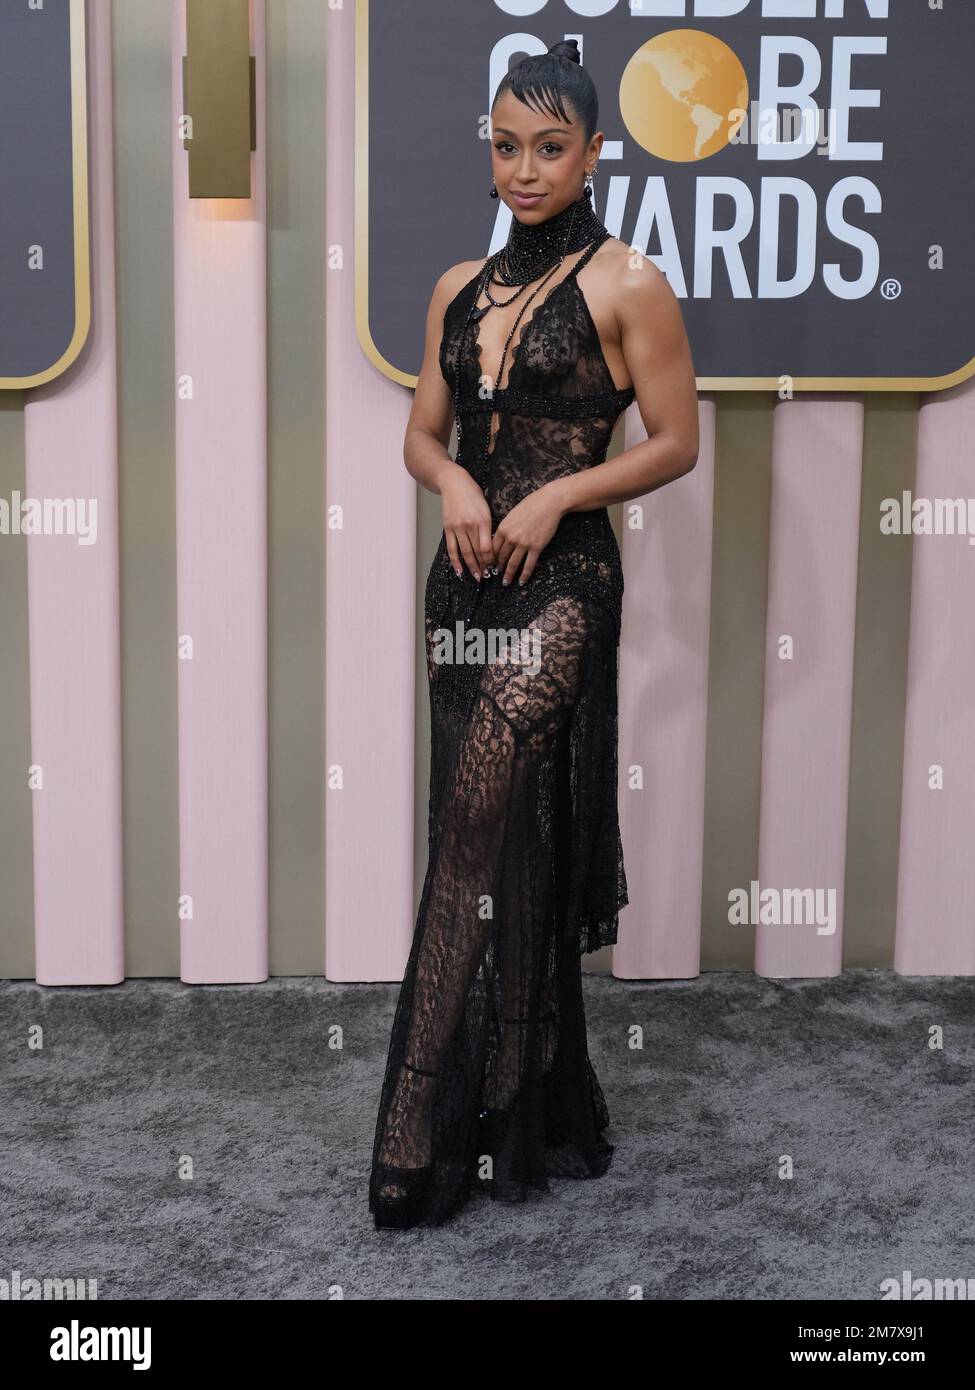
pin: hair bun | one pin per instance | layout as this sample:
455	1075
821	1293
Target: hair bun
567	48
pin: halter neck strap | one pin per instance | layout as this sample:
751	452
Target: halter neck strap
587	255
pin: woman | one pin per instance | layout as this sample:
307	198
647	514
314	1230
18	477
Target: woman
488	1084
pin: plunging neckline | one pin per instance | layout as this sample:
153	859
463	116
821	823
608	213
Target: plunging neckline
624	394
478	346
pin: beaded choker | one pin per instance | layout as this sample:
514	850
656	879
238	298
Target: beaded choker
534	247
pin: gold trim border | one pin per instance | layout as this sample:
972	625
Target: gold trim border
79	171
77	28
704	383
360	158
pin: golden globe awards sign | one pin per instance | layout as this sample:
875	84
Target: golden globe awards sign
45	296
801	170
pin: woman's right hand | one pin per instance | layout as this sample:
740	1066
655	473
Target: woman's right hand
466	522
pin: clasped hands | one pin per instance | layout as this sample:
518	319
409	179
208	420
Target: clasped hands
517	543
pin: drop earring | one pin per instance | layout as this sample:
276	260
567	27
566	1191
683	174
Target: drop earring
494	191
589	173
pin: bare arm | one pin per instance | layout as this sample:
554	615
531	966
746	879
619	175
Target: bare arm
431	417
466	514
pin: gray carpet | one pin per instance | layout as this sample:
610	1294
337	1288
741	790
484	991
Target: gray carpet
270	1093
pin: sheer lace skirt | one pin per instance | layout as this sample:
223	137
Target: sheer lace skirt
488	1079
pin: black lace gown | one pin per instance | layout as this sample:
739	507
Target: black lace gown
488	1077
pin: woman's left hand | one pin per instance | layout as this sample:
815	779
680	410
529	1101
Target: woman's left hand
525	532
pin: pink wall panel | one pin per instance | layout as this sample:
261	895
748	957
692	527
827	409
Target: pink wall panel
370	598
936	889
70	436
663	715
221	487
813	550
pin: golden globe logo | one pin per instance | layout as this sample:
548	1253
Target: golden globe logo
799	170
680	95
684	97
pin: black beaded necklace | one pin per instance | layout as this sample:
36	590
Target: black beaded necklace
530	251
532	247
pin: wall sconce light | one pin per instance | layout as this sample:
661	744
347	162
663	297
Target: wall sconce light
219	98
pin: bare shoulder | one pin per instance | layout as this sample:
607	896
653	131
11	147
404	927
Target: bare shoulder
453	280
632	282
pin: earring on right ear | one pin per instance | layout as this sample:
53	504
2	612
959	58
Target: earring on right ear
494	191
